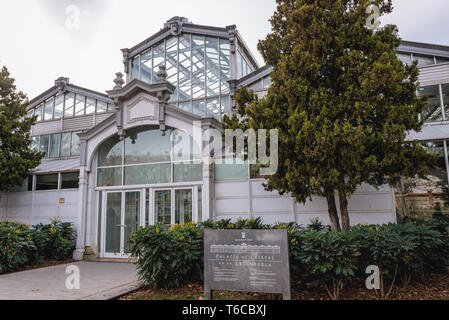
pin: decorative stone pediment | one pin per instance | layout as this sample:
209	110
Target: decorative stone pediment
142	108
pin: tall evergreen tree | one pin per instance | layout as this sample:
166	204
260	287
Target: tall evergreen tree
341	100
16	156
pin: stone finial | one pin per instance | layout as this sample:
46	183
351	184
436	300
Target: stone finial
62	83
176	24
162	74
119	82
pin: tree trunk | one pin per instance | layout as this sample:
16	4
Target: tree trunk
345	223
332	209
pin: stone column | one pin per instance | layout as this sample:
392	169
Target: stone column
81	223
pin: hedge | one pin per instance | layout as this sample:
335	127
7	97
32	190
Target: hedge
21	245
171	256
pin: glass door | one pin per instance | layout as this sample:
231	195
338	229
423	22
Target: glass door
173	206
122	216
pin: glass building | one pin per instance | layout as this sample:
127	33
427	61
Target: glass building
127	158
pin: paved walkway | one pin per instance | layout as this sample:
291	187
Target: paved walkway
98	281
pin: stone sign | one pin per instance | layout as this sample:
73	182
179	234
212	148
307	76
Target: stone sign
247	261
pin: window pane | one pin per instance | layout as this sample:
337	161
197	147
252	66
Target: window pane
69	103
445	89
234	171
162	207
23	187
102	106
186	106
65	144
431	112
225	106
48	112
442	60
113	222
213	108
183	206
406	58
135	68
44	145
198	68
59	106
423	60
75	145
239	65
158	56
38	112
79	105
146	66
70	180
185	70
147	146
90	106
47	182
212	67
54	145
35	144
109	177
148	174
111	107
199	108
172	64
225	65
188	172
110	152
184	147
267	82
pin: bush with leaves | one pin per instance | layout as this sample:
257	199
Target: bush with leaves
16	247
54	240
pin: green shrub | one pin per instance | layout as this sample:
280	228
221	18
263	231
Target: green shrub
22	246
16	247
54	240
168	257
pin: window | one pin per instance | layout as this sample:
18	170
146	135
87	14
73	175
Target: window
102	107
147	157
406	58
442	60
135	68
90	106
59	106
79	105
225	65
445	91
75	145
185	70
146	66
239	65
158	60
47	182
70	180
432	112
48	110
231	171
38	112
55	145
423	60
65	144
69	105
44	143
27	185
212	66
171	63
198	67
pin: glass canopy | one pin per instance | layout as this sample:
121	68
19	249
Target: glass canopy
197	65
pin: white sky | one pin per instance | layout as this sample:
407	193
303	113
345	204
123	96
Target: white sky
37	47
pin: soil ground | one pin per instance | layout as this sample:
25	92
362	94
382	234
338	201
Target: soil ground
431	287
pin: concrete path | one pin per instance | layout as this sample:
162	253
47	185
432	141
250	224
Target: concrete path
98	281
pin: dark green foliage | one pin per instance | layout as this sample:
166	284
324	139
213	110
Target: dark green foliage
16	156
169	257
341	99
22	246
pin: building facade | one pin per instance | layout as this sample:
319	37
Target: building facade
113	160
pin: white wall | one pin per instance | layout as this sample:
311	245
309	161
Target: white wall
232	200
41	206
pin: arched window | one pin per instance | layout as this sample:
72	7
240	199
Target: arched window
146	157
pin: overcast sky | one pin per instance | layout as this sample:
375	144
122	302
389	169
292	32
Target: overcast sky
41	40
